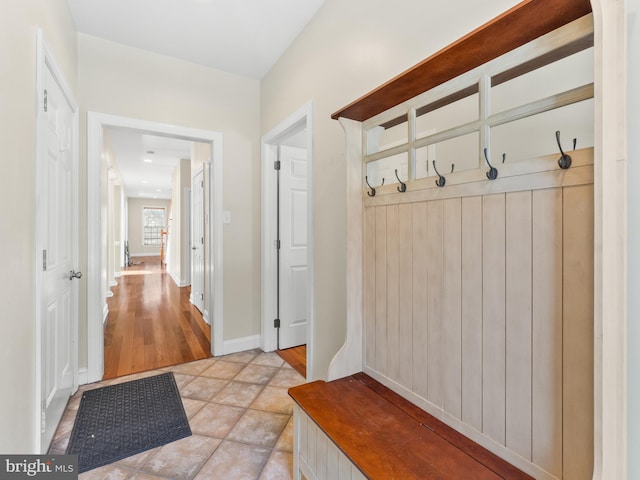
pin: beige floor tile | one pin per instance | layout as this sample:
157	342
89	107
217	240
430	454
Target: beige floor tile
192	406
242	357
259	428
215	420
285	442
181	459
223	369
234	461
274	399
278	467
202	388
238	394
270	359
145	476
135	461
108	472
193	368
256	374
182	380
287	378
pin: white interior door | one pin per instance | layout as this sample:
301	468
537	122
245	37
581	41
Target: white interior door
293	247
59	292
197	240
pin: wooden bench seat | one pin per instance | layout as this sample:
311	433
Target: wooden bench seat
387	437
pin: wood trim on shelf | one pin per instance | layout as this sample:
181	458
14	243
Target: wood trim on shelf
517	26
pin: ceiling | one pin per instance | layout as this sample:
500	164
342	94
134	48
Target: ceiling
146	179
244	37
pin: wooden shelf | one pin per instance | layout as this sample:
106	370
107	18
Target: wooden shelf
521	24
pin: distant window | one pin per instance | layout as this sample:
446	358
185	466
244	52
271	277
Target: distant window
154	222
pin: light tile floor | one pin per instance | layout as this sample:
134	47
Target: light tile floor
240	416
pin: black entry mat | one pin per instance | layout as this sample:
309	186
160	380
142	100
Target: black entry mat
121	420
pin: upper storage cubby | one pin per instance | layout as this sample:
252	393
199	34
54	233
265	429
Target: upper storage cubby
498	95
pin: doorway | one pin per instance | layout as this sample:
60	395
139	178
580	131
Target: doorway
97	268
287	235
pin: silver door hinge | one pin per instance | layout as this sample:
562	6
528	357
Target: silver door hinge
276	323
277	244
202	296
44	260
276	165
45	100
202	240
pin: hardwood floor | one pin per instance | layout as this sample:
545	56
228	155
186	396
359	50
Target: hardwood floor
151	323
296	357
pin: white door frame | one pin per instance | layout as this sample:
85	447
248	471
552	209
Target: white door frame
46	61
96	303
269	155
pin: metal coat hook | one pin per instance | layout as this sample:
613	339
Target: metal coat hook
441	181
565	160
372	193
492	174
403	186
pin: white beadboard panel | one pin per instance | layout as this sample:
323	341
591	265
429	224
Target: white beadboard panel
405	213
452	307
420	312
369	286
493	315
393	294
381	290
546	438
434	301
471	226
578	352
469	303
518	322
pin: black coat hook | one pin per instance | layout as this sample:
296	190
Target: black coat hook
492	174
372	193
441	181
565	160
403	186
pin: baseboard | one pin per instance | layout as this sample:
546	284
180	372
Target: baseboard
113	283
83	376
131	255
205	316
241	344
105	313
177	281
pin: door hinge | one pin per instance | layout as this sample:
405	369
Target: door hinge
43	421
202	296
45	100
202	240
276	165
277	244
44	260
276	323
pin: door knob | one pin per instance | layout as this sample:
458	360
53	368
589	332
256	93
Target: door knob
73	274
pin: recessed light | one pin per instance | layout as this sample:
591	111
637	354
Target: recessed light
145	181
158	190
147	160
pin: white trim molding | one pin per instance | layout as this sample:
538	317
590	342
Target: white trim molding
269	149
96	277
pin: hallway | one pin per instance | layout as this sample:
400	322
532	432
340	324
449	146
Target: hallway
151	323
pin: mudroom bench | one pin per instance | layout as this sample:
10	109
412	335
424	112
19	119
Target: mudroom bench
356	428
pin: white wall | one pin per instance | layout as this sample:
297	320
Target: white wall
129	82
348	49
18	24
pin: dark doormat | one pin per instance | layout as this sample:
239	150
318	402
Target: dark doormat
121	420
